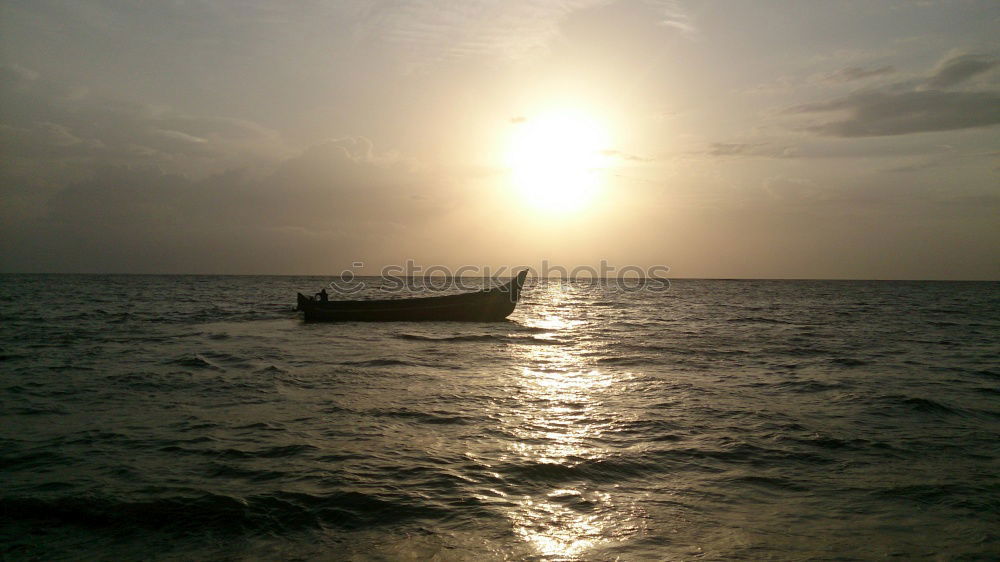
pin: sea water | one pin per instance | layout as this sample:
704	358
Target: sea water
197	417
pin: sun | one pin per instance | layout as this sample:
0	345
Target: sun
557	160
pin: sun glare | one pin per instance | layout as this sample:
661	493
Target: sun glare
556	160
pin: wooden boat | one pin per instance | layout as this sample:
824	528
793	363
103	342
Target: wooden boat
488	305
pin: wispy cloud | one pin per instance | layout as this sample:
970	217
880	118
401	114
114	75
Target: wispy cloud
48	122
960	68
855	73
872	114
434	31
621	155
674	16
914	107
754	149
337	199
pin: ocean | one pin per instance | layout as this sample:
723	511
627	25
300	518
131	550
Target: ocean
198	418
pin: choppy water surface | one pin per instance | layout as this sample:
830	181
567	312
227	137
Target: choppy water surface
199	418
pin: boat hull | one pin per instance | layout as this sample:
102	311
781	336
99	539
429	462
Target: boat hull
490	305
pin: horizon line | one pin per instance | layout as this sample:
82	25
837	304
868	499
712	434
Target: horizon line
580	278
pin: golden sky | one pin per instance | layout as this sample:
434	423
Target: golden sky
798	139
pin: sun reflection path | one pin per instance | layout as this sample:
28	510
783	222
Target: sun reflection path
559	423
556	530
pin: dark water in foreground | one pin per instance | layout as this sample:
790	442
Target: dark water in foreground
198	418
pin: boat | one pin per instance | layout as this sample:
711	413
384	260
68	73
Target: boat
487	305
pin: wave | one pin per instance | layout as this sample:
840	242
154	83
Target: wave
927	405
275	452
193	511
602	470
479	337
381	363
827	442
40	411
807	386
767	482
848	362
744	453
973	498
922	405
626	361
33	460
516	339
196	362
423	417
756	320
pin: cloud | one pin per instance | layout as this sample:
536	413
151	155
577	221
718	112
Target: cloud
785	85
913	107
760	149
729	149
675	17
947	156
36	140
872	114
960	68
778	86
16	75
93	183
50	123
338	200
854	73
458	29
333	182
613	153
435	31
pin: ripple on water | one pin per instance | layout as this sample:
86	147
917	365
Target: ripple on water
199	418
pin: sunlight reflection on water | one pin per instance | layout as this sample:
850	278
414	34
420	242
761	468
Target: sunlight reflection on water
561	420
730	420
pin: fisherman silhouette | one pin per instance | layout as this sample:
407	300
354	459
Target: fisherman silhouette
323	297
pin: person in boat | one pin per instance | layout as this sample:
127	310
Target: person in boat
322	295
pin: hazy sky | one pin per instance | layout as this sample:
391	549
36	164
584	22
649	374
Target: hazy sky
720	138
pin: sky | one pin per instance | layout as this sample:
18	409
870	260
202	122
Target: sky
728	138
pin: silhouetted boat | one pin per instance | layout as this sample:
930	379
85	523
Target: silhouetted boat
488	305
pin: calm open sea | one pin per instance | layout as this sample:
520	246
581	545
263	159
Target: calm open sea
176	417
